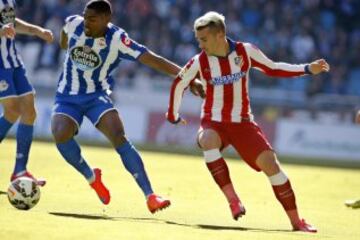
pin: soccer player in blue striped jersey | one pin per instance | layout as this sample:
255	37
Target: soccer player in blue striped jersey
16	92
95	47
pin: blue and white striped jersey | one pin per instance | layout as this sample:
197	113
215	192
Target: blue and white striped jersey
89	62
9	56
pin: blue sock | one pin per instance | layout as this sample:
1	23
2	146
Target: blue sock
71	151
5	125
24	138
134	165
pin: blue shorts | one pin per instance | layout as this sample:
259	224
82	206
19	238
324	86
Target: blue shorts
93	106
14	83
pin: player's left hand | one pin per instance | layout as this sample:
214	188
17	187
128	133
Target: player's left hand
180	120
197	88
319	66
46	35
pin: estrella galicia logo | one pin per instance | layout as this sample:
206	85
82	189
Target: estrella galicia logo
7	15
85	58
126	40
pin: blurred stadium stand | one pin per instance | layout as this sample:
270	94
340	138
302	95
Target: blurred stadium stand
294	31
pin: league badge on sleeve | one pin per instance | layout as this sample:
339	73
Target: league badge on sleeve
126	40
186	68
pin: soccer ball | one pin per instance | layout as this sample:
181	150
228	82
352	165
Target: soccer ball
23	193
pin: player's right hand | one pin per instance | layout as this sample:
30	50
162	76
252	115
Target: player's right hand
8	31
197	88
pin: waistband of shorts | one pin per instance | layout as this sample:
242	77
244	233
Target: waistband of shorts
242	120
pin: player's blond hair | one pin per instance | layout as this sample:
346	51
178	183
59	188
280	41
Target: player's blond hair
213	20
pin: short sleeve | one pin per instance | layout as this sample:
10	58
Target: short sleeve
71	22
130	49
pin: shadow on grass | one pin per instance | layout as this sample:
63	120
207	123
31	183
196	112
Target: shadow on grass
161	221
81	216
216	227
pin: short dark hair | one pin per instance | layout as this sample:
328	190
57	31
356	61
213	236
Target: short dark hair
100	6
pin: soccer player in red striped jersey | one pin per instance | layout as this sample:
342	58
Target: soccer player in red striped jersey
226	119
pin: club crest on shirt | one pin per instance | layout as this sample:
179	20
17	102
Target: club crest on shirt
238	61
7	15
101	42
87	49
3	86
85	58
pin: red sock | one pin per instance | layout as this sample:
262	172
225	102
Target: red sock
220	173
284	193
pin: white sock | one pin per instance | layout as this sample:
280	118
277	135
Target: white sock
212	155
278	179
92	179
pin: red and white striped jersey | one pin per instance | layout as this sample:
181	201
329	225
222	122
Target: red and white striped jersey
226	81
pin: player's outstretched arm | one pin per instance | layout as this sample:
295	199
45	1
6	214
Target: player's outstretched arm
164	65
319	66
23	27
159	63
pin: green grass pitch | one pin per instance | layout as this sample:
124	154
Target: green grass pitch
69	209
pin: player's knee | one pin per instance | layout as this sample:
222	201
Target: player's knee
205	143
268	163
12	111
29	114
118	137
61	133
209	140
